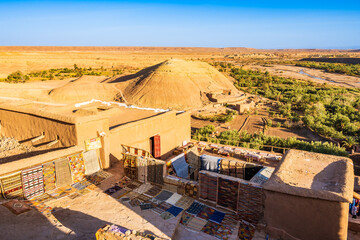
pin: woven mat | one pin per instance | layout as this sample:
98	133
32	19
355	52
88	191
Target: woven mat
196	224
62	171
185	218
33	182
91	162
49	176
228	193
210	228
246	231
191	189
223	232
195	208
184	202
162	207
152	192
12	186
77	167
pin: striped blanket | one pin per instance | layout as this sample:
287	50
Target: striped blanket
208	186
77	166
49	176
33	182
12	186
228	193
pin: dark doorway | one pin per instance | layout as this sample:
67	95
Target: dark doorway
155	146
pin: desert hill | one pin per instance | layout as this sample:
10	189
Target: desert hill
83	89
175	83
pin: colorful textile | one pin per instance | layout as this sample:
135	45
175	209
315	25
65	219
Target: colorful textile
233	168
174	198
16	207
142	169
210	228
263	175
196	224
152	192
146	206
112	190
163	195
230	220
77	167
12	186
124	181
162	207
217	216
81	185
117	229
130	166
184	202
210	163
250	170
159	172
240	169
62	171
143	188
33	182
224	167
223	232
191	189
180	166
206	213
166	215
91	162
181	187
134	202
151	165
133	185
250	202
49	176
246	231
208	186
175	210
193	158
185	218
195	208
228	193
143	198
40	207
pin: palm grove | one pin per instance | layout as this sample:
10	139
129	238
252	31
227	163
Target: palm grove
332	112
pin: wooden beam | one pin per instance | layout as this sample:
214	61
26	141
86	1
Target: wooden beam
37	138
53	143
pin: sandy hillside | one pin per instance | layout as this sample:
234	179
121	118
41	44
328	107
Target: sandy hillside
174	83
83	89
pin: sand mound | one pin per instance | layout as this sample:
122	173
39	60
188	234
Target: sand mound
175	83
83	89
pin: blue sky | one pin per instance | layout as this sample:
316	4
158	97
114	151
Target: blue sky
256	24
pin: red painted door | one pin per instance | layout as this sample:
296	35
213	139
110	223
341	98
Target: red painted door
157	150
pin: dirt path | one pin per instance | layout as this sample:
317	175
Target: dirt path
290	71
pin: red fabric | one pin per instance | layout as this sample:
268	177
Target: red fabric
157	150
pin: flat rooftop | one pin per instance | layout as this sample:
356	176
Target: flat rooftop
70	113
313	175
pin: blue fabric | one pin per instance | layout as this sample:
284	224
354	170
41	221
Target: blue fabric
195	208
174	210
210	163
180	166
217	216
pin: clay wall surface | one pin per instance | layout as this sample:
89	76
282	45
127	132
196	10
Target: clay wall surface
294	217
92	129
25	163
25	126
173	129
